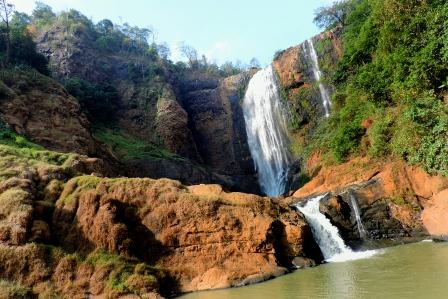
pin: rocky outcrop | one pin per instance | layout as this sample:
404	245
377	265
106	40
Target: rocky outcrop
190	174
172	127
294	69
201	235
395	200
122	236
217	122
39	108
143	102
434	215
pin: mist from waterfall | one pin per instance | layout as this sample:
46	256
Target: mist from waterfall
266	128
311	55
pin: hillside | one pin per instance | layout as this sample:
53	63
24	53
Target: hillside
126	175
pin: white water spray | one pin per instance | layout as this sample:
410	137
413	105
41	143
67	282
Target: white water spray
327	236
267	131
311	53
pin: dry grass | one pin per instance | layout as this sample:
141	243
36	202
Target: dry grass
10	290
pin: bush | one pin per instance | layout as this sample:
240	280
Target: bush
129	147
99	102
14	291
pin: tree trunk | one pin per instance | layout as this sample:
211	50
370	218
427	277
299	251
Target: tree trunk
8	44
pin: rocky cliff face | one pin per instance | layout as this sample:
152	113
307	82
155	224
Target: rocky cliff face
294	69
115	237
395	200
218	123
195	115
74	55
39	108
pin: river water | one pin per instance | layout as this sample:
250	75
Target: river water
418	270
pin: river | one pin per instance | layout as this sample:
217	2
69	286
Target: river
418	270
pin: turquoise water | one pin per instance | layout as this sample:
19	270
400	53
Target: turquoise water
418	270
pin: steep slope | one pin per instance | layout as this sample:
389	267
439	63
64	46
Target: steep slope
41	109
384	145
192	113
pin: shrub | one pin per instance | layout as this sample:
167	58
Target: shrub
99	102
130	147
14	291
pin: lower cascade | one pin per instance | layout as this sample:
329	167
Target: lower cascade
327	236
267	131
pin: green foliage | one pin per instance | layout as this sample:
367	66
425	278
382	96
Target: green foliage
380	133
127	274
393	72
42	14
327	58
23	48
348	132
332	16
430	117
100	102
302	110
8	137
129	147
16	151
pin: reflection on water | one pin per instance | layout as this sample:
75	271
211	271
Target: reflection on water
417	270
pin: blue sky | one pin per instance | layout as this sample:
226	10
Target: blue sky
228	30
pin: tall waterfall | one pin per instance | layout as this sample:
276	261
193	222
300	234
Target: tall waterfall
311	54
327	236
267	131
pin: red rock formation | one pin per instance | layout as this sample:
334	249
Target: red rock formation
407	194
204	237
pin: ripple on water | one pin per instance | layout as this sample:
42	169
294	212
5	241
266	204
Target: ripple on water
418	270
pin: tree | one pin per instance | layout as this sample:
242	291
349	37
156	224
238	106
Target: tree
6	12
105	26
254	63
20	19
43	13
332	16
164	50
190	53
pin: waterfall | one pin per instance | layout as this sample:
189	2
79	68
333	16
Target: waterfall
267	131
311	54
327	235
355	207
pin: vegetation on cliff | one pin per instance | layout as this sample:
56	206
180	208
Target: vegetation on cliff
16	45
391	83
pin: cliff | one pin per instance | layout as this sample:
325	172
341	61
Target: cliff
190	113
41	109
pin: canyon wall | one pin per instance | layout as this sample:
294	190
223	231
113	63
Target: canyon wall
193	114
